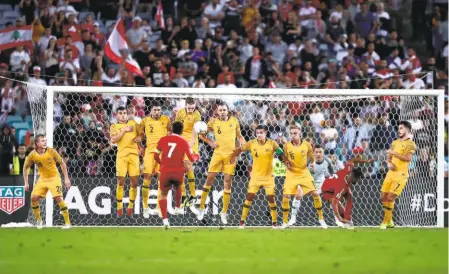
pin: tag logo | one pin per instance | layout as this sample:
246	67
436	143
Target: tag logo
12	198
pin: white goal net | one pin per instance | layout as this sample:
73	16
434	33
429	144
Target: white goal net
77	121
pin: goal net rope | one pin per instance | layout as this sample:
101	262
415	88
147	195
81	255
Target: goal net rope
76	121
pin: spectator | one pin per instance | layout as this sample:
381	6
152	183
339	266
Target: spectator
36	77
136	34
365	21
329	135
214	12
18	161
19	60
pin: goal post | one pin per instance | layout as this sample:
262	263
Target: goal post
421	204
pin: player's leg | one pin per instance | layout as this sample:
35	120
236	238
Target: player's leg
385	190
252	190
163	206
228	172
148	167
215	166
318	204
64	210
269	186
292	187
122	170
36	210
132	194
285	209
226	197
145	194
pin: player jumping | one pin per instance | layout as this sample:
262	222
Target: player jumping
399	156
226	130
154	127
188	116
262	151
298	180
124	134
339	186
172	148
45	159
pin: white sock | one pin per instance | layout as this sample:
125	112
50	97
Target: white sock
295	206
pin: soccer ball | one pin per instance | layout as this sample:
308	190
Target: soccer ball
200	127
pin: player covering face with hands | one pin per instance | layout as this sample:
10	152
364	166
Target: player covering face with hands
170	153
45	159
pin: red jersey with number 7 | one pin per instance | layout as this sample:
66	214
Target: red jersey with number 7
336	186
172	149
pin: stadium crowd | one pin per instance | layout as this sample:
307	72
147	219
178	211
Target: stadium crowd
320	44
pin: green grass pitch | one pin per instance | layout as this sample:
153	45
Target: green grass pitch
228	251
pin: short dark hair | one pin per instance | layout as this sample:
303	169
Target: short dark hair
406	124
222	103
22	145
318	146
190	101
177	127
38	137
120	109
357	173
264	127
155	104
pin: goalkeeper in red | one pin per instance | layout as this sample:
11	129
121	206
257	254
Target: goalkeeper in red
170	152
339	186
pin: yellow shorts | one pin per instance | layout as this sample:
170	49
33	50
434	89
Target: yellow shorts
221	163
195	150
150	166
129	164
266	182
394	183
293	181
44	185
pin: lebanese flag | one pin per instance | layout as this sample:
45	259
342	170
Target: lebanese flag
13	37
160	15
115	44
77	43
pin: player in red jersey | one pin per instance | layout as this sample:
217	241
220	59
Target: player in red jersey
339	186
172	149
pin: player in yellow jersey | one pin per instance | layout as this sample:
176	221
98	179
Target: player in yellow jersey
262	151
125	134
153	127
298	180
188	116
226	130
399	156
45	159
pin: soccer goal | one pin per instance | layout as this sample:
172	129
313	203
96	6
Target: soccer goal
338	120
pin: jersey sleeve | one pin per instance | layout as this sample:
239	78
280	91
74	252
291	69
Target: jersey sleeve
330	166
275	145
247	146
29	161
238	132
113	130
341	193
310	152
411	147
56	156
285	148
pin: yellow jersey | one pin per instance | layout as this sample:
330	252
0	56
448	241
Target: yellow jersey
403	148
262	155
298	156
126	145
188	120
154	130
225	133
45	162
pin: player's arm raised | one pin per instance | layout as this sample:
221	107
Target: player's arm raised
60	161
28	163
237	151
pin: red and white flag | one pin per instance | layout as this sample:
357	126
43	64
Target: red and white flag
13	37
160	15
116	43
271	84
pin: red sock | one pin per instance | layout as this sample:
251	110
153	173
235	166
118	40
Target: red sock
163	206
178	196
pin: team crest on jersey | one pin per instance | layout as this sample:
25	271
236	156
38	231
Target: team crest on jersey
12	198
